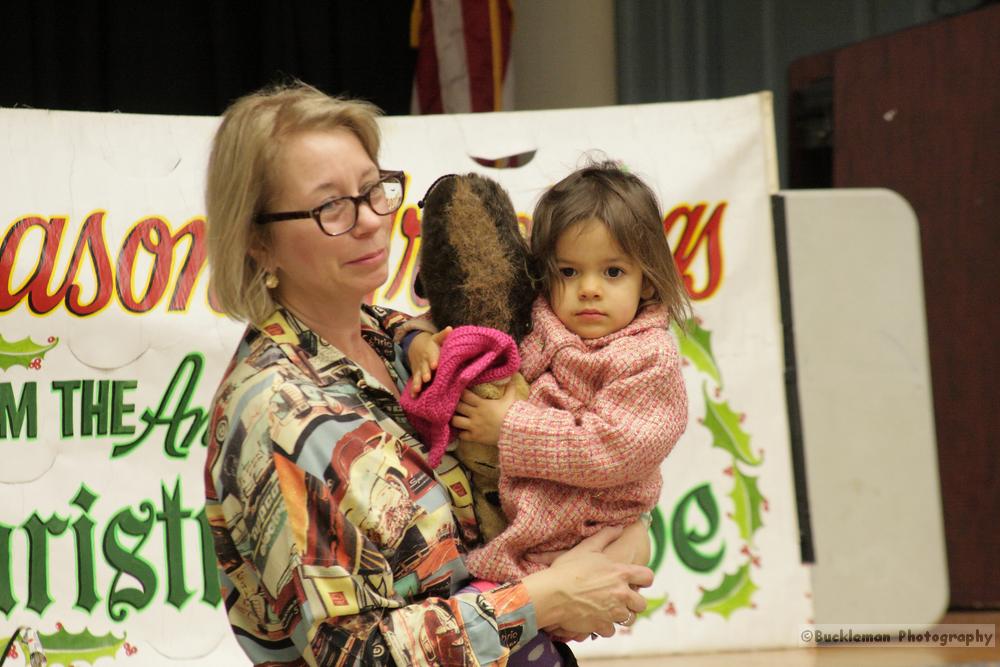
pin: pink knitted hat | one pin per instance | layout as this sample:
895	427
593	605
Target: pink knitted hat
469	356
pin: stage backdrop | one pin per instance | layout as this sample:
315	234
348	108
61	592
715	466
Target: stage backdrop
110	352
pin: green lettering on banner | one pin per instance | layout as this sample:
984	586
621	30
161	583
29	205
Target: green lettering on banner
83	532
38	558
99	415
119	408
94	412
124	536
7	599
171	516
209	572
17	412
65	389
174	413
128	561
686	540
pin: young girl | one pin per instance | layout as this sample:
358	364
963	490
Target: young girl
607	399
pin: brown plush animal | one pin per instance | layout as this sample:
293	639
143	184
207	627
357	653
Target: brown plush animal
476	269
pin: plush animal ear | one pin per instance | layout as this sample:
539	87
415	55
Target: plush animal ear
418	287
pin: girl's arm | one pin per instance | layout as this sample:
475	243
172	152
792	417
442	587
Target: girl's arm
626	430
423	350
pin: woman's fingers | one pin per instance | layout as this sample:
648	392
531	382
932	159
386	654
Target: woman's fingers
635	603
639	576
605	629
599	540
545	557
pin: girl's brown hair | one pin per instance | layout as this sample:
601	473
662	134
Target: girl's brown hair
628	208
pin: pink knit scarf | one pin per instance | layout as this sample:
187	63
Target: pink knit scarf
469	356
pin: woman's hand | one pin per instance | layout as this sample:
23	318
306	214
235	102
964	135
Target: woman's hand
425	350
478	419
585	591
633	546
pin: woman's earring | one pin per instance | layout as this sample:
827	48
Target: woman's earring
270	280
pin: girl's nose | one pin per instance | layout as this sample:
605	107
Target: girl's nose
589	289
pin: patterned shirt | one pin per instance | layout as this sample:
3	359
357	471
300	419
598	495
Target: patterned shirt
337	543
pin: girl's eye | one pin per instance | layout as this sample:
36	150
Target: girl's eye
615	272
567	272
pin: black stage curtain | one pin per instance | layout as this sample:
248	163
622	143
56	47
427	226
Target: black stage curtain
186	57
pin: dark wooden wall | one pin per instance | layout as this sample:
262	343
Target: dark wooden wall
918	111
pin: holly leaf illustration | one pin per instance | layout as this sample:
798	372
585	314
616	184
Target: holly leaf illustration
652	605
22	352
733	593
696	346
69	648
747	502
726	431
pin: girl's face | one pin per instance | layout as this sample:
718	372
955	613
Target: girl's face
599	285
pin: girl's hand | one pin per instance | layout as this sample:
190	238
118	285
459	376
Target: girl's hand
585	591
425	350
478	419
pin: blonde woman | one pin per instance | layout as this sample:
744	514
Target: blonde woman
336	541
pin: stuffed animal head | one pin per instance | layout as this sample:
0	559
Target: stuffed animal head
475	266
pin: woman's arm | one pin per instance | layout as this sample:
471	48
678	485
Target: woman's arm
306	561
585	592
308	565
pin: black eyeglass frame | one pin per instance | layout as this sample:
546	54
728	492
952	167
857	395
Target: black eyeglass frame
357	200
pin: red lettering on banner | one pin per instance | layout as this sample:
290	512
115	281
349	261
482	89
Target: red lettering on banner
152	235
36	287
91	237
524	224
698	241
193	263
409	226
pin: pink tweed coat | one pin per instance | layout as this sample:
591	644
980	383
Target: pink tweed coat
584	451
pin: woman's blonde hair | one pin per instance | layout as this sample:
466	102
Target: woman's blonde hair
629	210
240	182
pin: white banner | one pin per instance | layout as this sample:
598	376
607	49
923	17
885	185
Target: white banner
110	352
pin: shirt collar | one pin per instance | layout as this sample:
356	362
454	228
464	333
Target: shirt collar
318	358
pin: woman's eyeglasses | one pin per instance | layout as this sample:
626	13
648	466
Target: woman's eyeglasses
340	215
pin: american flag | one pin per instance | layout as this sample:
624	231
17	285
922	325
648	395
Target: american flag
463	57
